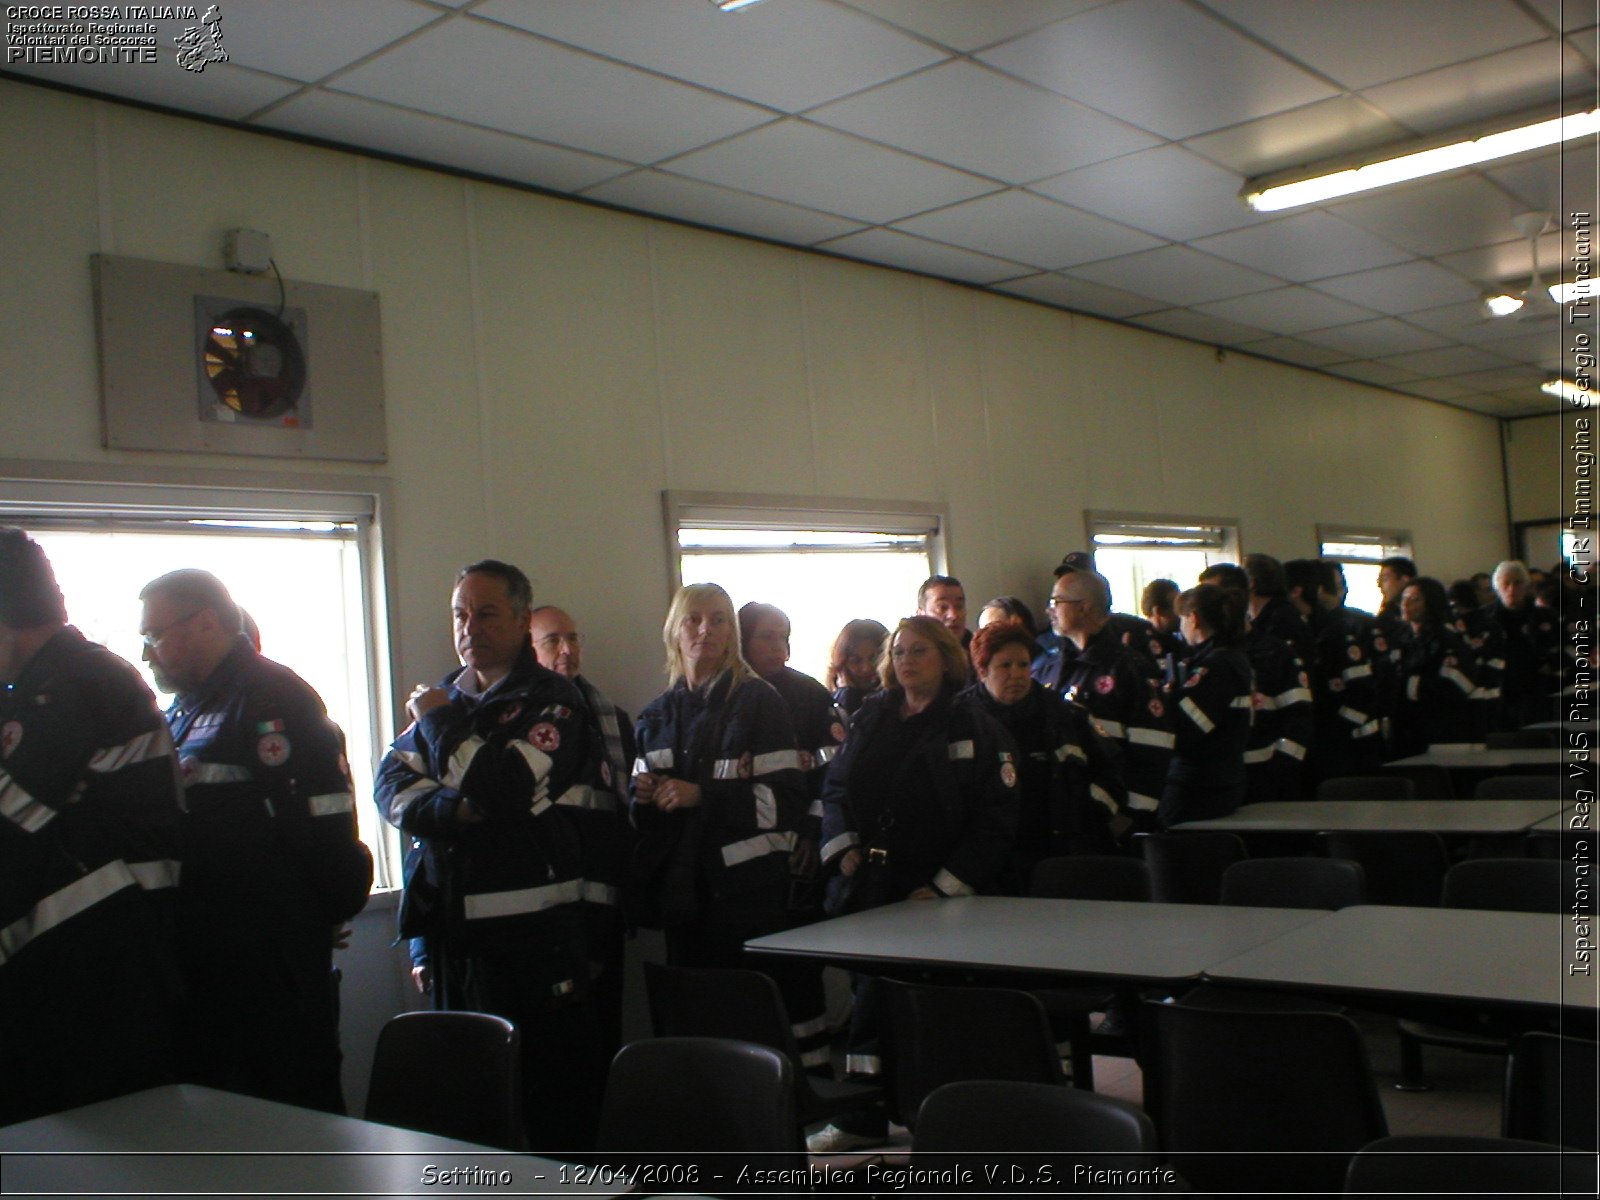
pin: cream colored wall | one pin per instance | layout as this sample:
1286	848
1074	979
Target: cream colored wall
551	367
1534	466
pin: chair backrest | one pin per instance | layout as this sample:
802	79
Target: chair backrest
719	1002
1517	787
1367	787
1090	877
456	1074
1186	866
1294	883
1261	1081
1520	739
1506	884
1046	1125
695	1094
940	1035
1550	1092
1400	867
1438	1164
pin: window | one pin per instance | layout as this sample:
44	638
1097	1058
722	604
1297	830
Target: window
301	564
824	562
1131	551
1360	551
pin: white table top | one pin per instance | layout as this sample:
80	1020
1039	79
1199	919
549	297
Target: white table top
1448	954
189	1139
1107	940
1481	758
1385	816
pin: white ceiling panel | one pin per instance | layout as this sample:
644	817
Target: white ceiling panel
1303	135
1293	350
1177	275
1501	84
1376	339
818	168
1311	245
1465	322
790	55
1378	373
502	79
1503	379
221	90
1556	183
439	140
967	27
1287	310
918	254
345	32
1026	228
1079	295
1166	191
1550	350
1164	66
1438	389
706	204
973	118
1403	288
1509	261
1452	360
1374	41
1436	216
1198	327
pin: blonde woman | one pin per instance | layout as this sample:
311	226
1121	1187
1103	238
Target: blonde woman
718	796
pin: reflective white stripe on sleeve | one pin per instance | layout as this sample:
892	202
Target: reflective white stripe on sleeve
962	749
766	807
600	893
1257	755
1413	687
658	760
581	795
1360	672
78	896
199	772
1292	748
839	845
1242	702
948	885
154	744
20	808
815	810
757	847
817	1056
1486	693
1265	702
539	763
1295	695
1496	664
863	1064
809	1028
1143	803
413	760
1111	729
1069	750
1100	795
461	759
725	768
157	873
825	754
1158	738
775	760
404	800
523	900
331	803
1370	729
1354	716
1457	678
1195	714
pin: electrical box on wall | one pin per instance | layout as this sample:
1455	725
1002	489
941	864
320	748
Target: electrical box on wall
217	362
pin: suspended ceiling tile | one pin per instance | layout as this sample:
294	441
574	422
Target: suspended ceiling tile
488	75
1438	389
1557	183
1311	245
1452	360
721	208
1550	350
967	27
1372	339
1342	125
1287	310
1436	216
1197	327
1505	262
918	254
973	118
789	55
1501	379
1177	275
1080	295
221	90
1504	83
1293	350
819	168
1161	64
1377	373
268	35
1403	288
1565	15
1371	41
1167	191
1026	228
1466	321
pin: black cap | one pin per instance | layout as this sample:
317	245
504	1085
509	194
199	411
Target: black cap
1078	560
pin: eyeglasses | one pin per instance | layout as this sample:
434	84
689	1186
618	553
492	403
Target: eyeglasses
154	638
553	640
1063	602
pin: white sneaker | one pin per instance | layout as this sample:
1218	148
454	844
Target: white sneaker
830	1139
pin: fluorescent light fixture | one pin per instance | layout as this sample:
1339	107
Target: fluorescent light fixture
1290	190
1582	397
1502	305
734	5
1572	293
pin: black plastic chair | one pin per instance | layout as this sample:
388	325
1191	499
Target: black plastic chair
690	1095
1186	866
1329	883
1293	1088
1550	1090
1041	1125
940	1035
1405	868
455	1074
1367	787
1517	787
1473	1166
746	1006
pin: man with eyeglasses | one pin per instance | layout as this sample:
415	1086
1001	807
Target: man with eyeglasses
272	866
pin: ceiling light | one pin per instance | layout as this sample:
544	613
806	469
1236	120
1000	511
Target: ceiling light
1398	164
1580	397
1572	293
1503	304
734	5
